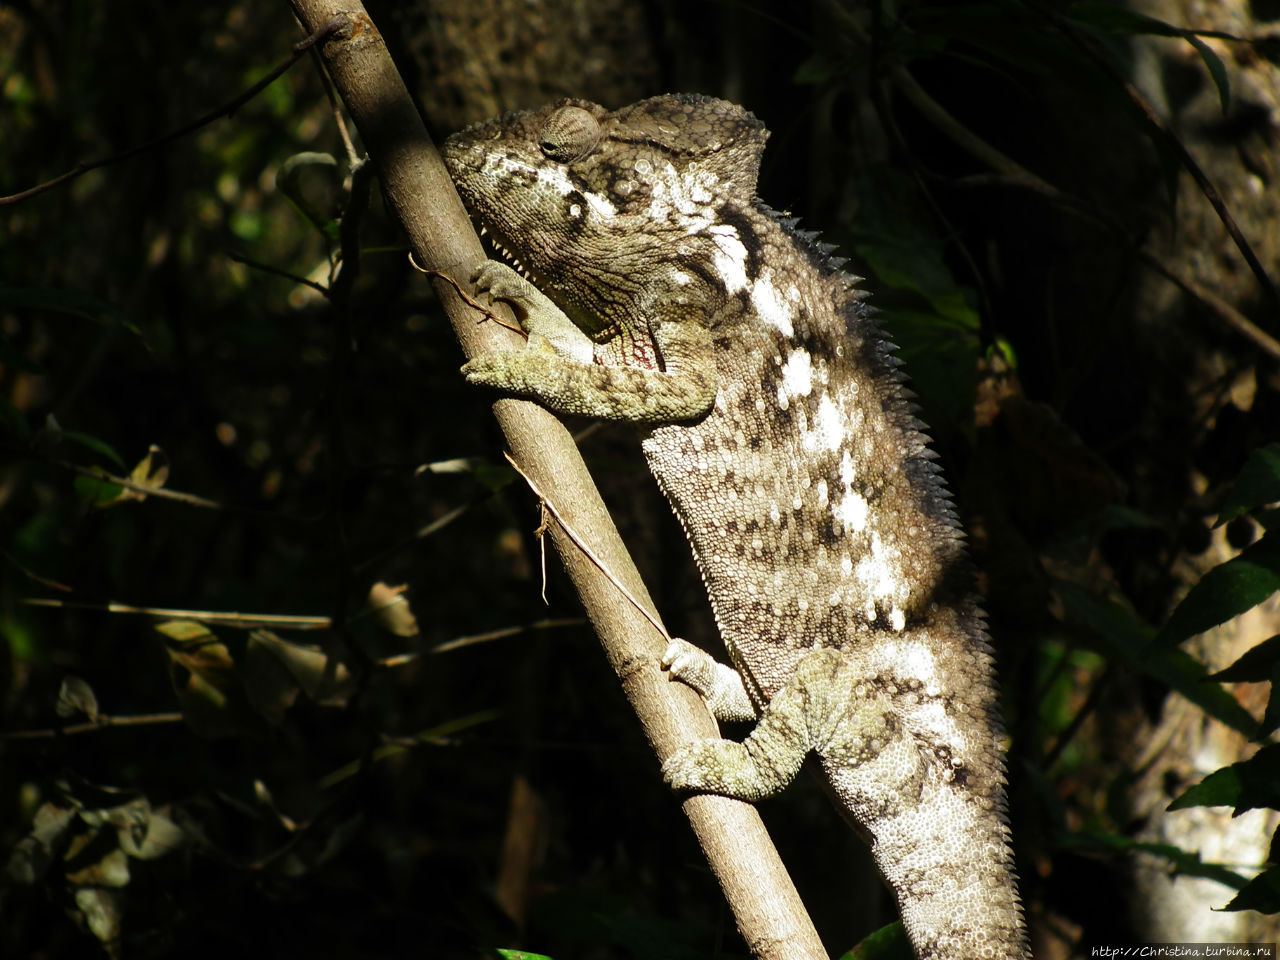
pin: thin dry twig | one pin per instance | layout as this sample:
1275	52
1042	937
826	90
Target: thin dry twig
586	550
1090	49
550	623
276	271
225	110
467	298
150	490
101	722
239	621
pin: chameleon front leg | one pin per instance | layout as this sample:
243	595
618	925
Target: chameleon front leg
720	685
549	329
557	368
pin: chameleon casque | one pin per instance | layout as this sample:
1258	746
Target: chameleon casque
660	291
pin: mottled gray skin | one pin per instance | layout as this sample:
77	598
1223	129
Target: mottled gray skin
661	292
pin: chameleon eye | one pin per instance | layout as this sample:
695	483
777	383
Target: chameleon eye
569	135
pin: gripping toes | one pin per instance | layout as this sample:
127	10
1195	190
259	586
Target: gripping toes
691	665
717	766
501	282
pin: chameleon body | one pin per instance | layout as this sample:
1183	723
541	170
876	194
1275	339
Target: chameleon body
656	289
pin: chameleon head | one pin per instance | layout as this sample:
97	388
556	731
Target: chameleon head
558	190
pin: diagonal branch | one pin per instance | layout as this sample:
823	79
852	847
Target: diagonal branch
765	904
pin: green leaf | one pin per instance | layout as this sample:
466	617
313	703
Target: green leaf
1117	19
70	302
1257	485
56	434
1255	665
312	182
1123	636
1246	785
1184	862
1213	64
1115	516
204	678
888	943
1226	591
521	955
13	424
818	70
96	492
1262	893
1259	664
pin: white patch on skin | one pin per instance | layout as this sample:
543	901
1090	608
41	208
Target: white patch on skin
875	571
600	206
822	493
897	620
797	374
910	660
771	308
847	472
688	196
730	257
851	512
846	565
828	429
556	179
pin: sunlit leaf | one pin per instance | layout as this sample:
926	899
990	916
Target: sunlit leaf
32	855
100	908
321	677
111	871
391	608
268	684
184	631
204	678
151	471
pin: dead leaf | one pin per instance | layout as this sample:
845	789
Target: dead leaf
76	696
204	677
391	608
321	677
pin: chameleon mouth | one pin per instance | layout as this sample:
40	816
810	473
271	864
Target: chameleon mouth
495	243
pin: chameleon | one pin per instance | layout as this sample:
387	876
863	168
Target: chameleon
656	289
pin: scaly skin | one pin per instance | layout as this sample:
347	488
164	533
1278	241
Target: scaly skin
772	413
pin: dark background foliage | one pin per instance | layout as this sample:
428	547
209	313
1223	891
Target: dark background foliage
365	790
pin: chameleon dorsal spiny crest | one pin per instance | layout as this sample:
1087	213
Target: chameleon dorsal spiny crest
658	290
